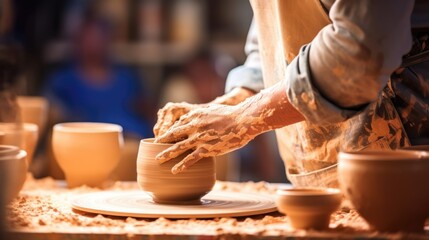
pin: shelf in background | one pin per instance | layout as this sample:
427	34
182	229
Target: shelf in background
149	53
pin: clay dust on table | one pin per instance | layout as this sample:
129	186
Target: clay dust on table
44	206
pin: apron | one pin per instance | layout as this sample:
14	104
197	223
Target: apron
308	150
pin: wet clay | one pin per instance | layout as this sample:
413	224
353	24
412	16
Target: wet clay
164	187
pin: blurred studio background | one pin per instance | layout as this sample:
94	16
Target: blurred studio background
119	61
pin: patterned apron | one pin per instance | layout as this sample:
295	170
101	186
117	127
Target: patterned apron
310	151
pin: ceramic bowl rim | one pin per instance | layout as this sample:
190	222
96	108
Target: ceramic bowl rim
381	155
27	127
308	192
17	155
149	141
8	149
32	101
87	127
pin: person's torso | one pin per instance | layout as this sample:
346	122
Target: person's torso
397	119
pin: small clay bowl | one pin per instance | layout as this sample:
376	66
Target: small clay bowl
34	109
14	168
87	152
387	188
187	187
309	208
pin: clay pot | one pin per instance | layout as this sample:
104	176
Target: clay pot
388	188
87	152
309	208
14	168
24	136
34	110
163	186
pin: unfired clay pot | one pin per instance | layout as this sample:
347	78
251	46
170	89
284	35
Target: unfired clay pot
87	152
34	110
24	136
163	186
390	189
309	208
14	166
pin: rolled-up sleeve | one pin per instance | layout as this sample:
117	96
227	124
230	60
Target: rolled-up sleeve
248	75
349	62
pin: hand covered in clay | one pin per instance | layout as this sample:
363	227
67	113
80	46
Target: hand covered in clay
211	131
216	129
170	113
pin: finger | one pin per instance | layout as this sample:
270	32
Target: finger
161	119
189	160
165	126
175	150
168	116
178	131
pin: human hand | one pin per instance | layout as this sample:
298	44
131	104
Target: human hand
214	130
170	113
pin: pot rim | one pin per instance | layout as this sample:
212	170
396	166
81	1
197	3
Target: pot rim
87	127
310	191
150	141
12	153
384	155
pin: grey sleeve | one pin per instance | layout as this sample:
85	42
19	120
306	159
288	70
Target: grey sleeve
349	62
248	75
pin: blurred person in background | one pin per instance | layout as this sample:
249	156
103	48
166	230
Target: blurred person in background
93	88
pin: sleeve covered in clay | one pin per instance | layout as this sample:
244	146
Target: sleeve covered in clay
349	62
248	75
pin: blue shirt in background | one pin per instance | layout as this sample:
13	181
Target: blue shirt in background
113	102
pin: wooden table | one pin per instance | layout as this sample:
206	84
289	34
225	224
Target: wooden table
42	211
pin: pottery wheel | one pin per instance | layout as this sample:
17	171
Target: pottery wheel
138	204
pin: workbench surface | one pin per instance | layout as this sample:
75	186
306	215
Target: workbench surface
42	211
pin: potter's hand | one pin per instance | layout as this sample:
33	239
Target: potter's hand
211	131
218	129
169	114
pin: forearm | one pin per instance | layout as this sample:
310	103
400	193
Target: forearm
269	109
234	97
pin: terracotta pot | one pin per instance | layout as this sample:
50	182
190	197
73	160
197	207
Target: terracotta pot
388	188
87	152
24	136
34	110
163	186
308	208
14	166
